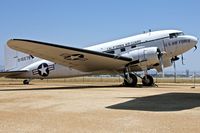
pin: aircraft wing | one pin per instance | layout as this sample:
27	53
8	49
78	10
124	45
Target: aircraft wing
80	59
11	73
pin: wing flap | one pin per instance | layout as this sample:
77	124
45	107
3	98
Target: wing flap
81	59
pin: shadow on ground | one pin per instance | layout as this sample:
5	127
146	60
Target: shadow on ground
72	87
62	88
162	102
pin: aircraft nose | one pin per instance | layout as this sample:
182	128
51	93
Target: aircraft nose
189	42
194	40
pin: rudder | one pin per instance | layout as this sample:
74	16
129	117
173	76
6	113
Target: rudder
15	60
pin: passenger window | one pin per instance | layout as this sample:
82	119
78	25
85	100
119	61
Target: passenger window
133	46
123	49
110	52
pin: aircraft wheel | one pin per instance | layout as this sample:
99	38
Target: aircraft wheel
132	82
147	80
26	82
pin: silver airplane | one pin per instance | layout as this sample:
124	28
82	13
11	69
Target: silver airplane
28	59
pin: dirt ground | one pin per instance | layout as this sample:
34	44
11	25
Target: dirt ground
61	107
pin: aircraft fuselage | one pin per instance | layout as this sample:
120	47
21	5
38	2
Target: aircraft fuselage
170	43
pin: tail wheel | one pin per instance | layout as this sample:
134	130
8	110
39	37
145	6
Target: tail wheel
147	80
26	82
132	82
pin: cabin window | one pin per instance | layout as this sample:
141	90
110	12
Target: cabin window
110	52
133	46
123	49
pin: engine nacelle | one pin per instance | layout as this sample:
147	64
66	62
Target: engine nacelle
144	57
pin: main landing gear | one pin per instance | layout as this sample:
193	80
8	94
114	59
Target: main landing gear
147	80
130	79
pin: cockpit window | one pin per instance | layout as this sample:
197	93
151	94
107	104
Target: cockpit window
180	34
175	35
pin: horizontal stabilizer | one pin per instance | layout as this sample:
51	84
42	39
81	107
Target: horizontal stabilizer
11	73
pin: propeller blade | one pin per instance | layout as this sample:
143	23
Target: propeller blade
182	60
174	62
195	48
174	65
162	66
160	57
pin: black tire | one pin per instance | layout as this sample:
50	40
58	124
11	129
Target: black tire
133	82
148	82
25	82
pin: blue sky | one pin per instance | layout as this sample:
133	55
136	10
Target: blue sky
82	23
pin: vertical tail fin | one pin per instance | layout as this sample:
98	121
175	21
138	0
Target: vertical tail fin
15	60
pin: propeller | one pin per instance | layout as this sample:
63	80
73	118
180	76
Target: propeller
173	60
195	48
182	59
162	66
177	58
160	57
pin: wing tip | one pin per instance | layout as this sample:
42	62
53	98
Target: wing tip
11	42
